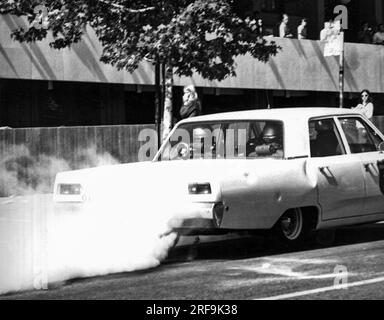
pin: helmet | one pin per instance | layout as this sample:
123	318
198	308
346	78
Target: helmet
272	133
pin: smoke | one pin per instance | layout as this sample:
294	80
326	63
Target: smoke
103	238
22	173
43	243
119	229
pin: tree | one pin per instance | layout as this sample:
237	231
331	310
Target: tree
186	36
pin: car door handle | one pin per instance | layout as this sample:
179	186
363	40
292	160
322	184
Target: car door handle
368	166
326	171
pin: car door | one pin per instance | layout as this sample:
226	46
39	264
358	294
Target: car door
339	176
363	141
251	185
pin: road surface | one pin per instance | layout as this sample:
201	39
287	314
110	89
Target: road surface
247	269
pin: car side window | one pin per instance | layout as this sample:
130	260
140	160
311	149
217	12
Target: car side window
361	138
324	139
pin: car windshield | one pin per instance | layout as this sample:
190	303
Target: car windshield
225	140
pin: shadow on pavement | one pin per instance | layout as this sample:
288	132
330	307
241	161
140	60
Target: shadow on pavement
261	246
241	248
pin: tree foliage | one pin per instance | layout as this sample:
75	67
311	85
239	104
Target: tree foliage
202	36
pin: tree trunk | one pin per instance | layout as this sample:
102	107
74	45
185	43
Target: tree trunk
168	99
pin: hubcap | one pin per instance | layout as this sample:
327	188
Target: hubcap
292	224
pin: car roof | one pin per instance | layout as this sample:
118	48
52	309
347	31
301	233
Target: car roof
274	114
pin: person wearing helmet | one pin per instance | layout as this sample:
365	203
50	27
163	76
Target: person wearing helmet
272	142
272	133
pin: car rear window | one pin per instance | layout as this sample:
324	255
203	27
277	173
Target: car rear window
225	140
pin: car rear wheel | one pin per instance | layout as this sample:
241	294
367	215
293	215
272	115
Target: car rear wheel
291	224
291	227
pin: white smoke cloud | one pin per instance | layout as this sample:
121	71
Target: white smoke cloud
101	239
22	173
47	243
108	235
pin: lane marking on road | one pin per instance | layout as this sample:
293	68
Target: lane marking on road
285	268
285	272
301	261
325	289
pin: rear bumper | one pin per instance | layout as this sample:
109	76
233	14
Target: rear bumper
200	218
197	227
68	208
192	218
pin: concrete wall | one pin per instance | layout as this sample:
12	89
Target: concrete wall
300	66
80	63
30	158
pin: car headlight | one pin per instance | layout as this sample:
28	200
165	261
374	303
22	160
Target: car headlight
69	189
199	188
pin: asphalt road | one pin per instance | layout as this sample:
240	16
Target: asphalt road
247	269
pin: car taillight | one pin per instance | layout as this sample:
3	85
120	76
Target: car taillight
69	189
218	213
199	188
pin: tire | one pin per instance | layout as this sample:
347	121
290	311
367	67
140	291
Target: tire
291	229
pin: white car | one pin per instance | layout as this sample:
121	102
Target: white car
288	170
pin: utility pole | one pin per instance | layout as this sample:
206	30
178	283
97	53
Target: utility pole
341	71
158	103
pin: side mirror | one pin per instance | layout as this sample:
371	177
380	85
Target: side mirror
381	147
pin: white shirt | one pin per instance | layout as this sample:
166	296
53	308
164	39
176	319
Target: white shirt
325	33
283	30
366	110
300	29
378	38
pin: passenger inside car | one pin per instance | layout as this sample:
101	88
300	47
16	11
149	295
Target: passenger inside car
324	141
270	144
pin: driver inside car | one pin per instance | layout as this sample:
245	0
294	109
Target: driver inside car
271	145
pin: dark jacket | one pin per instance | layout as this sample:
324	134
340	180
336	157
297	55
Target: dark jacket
190	109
